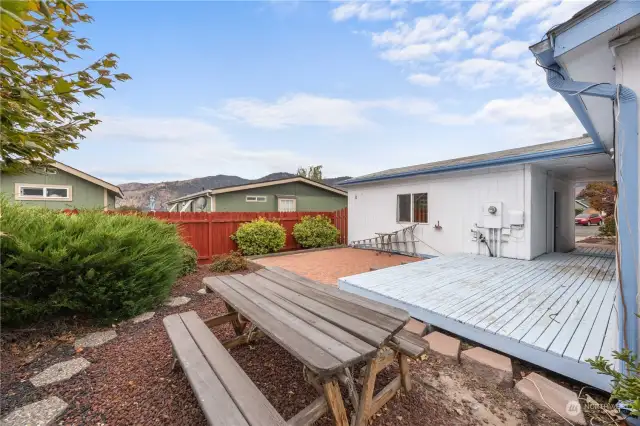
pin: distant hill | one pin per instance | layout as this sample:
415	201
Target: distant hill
137	194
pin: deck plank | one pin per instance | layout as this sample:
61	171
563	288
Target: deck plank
561	330
521	323
535	294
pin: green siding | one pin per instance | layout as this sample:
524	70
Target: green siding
308	198
84	194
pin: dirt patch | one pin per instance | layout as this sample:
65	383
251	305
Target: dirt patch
599	240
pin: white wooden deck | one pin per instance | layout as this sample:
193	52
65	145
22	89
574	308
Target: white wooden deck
555	311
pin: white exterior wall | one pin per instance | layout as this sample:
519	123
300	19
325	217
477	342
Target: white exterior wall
540	207
455	201
628	74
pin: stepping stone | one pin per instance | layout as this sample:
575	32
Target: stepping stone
60	371
177	301
490	366
416	327
41	413
558	398
445	347
143	317
202	291
95	339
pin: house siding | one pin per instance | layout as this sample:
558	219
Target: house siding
308	199
85	195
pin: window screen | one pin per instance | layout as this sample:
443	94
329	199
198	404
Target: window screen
25	191
404	208
420	208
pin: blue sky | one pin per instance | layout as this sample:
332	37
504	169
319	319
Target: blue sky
250	88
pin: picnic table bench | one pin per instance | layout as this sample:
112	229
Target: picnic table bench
326	329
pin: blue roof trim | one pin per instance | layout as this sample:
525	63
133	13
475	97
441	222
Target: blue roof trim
596	24
523	158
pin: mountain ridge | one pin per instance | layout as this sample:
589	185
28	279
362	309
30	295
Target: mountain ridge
136	194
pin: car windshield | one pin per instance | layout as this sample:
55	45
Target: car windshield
582	216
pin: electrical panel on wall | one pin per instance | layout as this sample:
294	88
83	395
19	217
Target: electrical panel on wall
492	215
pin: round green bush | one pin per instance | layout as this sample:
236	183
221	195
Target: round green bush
315	231
260	236
91	264
608	227
189	260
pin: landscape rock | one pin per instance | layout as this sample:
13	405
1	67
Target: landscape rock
202	291
60	371
490	366
445	347
95	339
143	317
41	413
558	398
177	301
416	327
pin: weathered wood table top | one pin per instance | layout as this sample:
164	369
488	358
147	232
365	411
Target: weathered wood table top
325	328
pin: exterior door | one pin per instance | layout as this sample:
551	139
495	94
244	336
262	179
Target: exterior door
286	204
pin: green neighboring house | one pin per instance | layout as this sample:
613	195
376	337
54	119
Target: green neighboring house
295	194
59	186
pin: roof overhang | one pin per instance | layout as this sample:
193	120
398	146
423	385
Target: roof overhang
516	159
260	185
583	49
72	171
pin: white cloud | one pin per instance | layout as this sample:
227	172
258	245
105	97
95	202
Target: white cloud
560	13
478	73
482	42
478	11
424	29
316	111
366	11
424	79
511	49
529	118
294	110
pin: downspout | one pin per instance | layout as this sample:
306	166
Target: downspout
627	179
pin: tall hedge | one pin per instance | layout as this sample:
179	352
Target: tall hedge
92	264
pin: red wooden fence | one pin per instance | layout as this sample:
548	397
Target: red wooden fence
209	233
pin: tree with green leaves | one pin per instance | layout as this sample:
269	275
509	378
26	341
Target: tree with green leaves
41	82
311	172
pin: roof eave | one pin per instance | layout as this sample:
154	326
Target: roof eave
537	156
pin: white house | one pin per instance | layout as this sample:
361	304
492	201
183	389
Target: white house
555	310
531	189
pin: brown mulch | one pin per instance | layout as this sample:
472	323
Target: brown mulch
599	240
130	380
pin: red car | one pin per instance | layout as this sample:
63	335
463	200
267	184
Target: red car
588	219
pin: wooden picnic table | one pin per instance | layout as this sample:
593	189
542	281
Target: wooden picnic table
328	330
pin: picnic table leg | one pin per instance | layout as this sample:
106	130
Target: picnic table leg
403	361
366	396
238	326
336	404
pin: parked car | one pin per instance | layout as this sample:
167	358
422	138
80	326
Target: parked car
589	219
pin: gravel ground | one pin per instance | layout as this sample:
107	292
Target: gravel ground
130	381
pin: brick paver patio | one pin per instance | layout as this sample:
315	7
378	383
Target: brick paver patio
327	266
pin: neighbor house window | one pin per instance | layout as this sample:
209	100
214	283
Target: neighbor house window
256	198
404	208
25	191
413	208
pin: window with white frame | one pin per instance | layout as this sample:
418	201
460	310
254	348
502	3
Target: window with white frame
34	192
286	204
256	198
412	208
